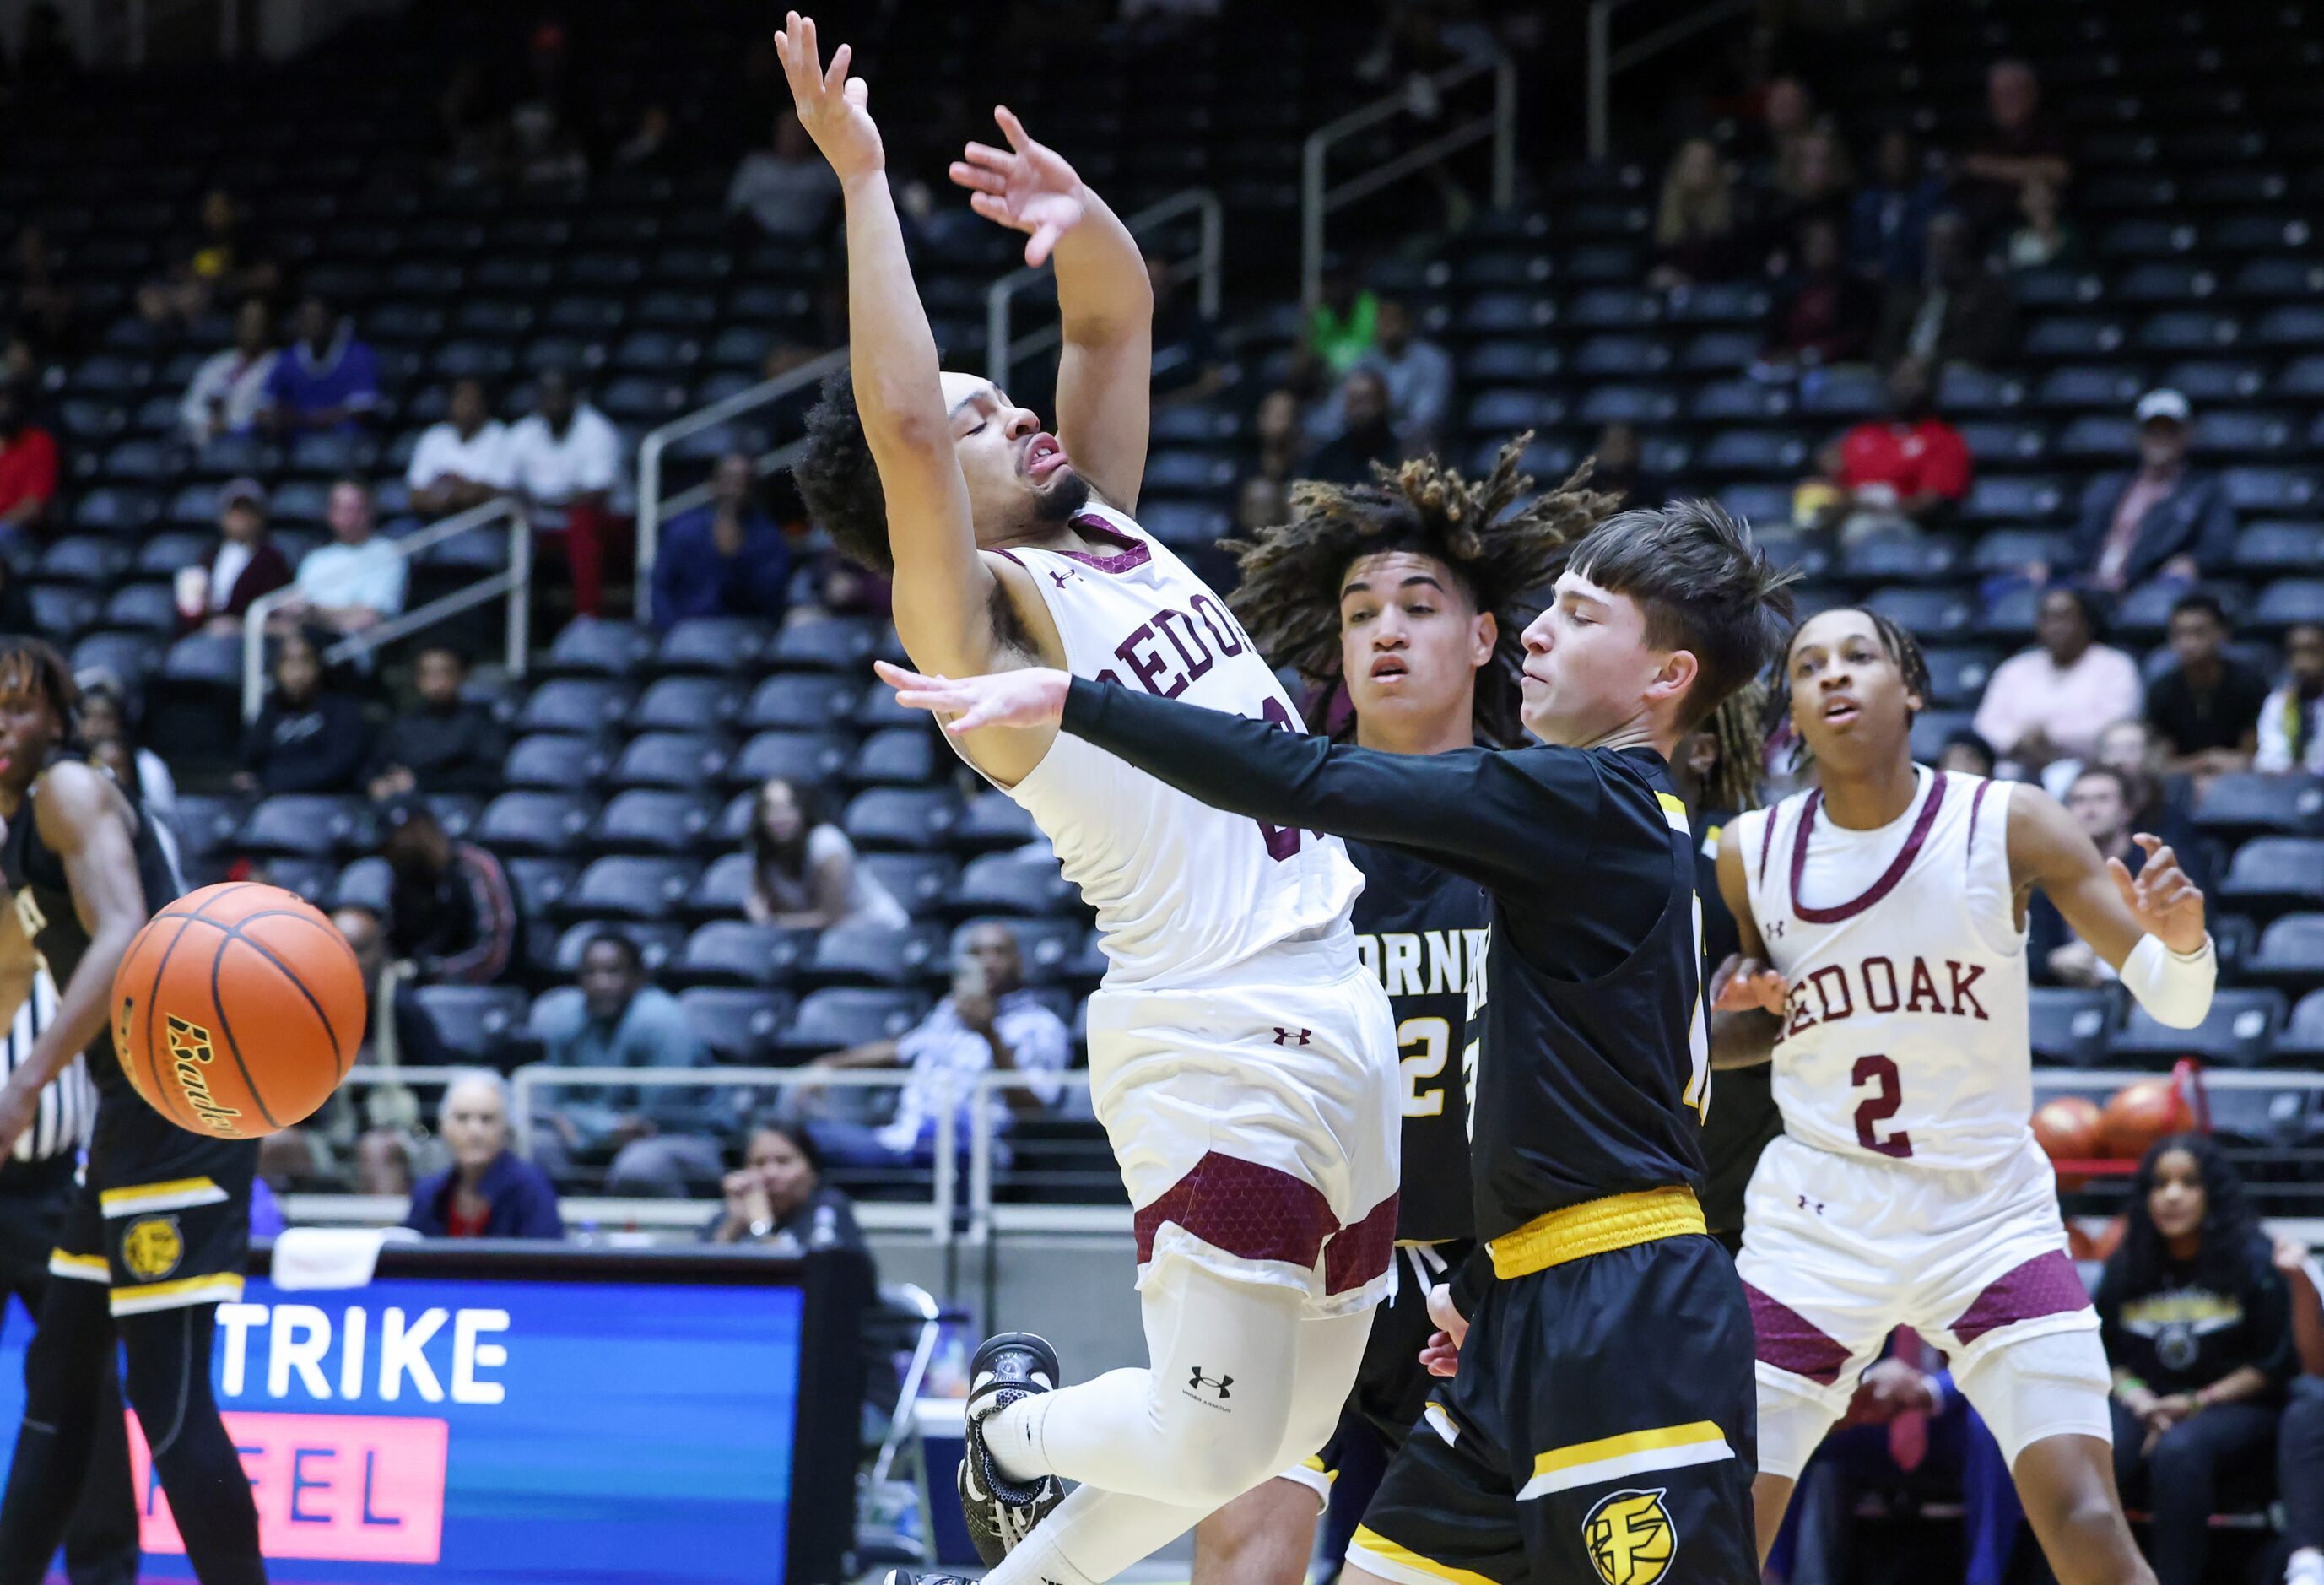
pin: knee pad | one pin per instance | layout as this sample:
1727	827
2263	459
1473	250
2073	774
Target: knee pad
2053	1385
1794	1414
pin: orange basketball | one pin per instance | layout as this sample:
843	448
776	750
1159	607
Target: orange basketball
2069	1129
2141	1114
237	1009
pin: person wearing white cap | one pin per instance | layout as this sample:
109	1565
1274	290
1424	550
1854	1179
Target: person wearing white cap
2162	518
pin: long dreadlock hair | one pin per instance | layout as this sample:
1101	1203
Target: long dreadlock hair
1289	598
1738	729
1896	641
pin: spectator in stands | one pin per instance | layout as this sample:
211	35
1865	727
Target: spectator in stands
308	739
451	912
1189	365
462	459
2162	519
1967	754
47	311
355	582
1618	467
1811	181
1344	323
2042	238
2299	1440
228	391
1261	505
727	559
1417	374
28	465
106	734
648	146
2017	145
1277	427
1820	313
2102	800
247	564
2049	701
660	1138
1952	309
549	124
803	872
564	458
407	1036
2292	721
449	744
2160	801
1888	226
1906	473
326	380
222	261
489	1192
785	189
2197	1323
1367	434
1696	236
989	1022
2206	708
777	1199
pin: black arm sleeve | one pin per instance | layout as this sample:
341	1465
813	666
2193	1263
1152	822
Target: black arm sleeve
1509	820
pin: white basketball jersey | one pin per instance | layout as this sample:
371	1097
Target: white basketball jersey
1905	1038
1181	891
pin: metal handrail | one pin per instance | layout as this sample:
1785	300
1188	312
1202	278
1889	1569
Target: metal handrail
1605	60
515	581
1001	354
1317	201
652	508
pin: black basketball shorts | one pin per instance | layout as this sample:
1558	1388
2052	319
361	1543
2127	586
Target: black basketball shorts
1599	1432
161	1215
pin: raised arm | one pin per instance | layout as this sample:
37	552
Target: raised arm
943	589
2150	930
1747	995
1104	300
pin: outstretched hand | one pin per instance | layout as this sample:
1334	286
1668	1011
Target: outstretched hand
832	106
2166	904
1745	985
1035	697
1026	187
1442	1354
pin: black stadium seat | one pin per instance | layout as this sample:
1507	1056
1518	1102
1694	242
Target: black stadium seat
842	1016
655	821
1006	883
318	826
738	1024
872	954
730	951
900	818
2234	1034
631	887
2070	1027
556	761
535	822
473	1020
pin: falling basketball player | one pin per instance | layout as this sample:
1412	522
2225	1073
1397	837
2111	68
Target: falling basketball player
157	1236
1906	1189
1241	1058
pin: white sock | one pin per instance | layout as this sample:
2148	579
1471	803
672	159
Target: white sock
2305	1567
1092	1536
1012	1435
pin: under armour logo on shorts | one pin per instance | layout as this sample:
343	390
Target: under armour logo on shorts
1283	1037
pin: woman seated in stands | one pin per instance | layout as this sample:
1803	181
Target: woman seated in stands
308	739
777	1200
2198	1325
489	1192
804	873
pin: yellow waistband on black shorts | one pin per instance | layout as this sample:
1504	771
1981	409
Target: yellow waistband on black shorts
1594	1227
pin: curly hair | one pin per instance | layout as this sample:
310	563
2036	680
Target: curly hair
1289	598
840	483
1738	729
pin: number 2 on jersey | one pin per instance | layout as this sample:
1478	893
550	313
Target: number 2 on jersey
1433	1037
1887	1096
1282	840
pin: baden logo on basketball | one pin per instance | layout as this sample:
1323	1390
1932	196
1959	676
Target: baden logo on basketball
189	1055
1630	1538
152	1247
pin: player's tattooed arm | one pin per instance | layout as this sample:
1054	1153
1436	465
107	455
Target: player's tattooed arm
1745	995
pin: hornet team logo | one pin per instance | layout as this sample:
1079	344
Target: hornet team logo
152	1247
1630	1537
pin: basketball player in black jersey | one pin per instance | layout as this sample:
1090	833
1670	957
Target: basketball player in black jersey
157	1236
1599	1423
1392	600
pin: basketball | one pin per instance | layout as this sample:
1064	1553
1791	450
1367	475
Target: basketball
2141	1114
2069	1129
237	1010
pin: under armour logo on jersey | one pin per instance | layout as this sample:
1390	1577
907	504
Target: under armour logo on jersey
1283	1037
1197	1381
1774	930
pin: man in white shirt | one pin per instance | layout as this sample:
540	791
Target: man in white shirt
462	461
356	581
564	458
784	189
230	390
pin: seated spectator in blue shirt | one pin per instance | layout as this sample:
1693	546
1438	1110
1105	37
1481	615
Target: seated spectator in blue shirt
727	559
1889	227
662	1137
2162	518
487	1192
989	1022
325	379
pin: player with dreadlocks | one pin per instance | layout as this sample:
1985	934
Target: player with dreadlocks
1399	601
1882	919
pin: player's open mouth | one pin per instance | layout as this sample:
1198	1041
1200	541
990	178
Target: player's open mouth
1842	709
1389	666
1042	456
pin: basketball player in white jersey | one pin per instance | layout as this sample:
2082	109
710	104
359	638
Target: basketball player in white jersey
1882	920
1242	1060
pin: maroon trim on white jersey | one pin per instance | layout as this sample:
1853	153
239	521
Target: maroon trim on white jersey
1132	556
1976	803
1888	877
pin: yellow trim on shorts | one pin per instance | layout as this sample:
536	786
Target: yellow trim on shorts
176	1194
1404	1560
1612	1458
1595	1226
216	1288
81	1268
